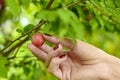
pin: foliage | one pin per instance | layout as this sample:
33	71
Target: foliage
94	21
3	69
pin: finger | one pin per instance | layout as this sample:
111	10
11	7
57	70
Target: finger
66	42
53	54
57	51
52	39
37	52
86	51
46	48
54	66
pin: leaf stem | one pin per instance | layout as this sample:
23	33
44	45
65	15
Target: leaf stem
72	4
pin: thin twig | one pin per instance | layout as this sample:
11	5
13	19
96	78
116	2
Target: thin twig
72	4
5	54
102	11
21	57
49	4
15	53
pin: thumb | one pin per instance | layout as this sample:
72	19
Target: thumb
54	66
86	51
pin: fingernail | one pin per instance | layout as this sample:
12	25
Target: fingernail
47	34
62	56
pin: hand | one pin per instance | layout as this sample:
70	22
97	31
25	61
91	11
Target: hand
81	62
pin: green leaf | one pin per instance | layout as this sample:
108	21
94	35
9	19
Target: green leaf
100	20
25	2
19	30
117	2
69	18
14	7
37	71
94	23
52	27
46	15
28	28
64	15
63	30
78	30
3	68
71	34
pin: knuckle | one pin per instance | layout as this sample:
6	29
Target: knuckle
54	60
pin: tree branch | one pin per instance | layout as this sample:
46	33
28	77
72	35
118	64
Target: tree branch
72	4
49	4
26	34
34	29
5	54
102	12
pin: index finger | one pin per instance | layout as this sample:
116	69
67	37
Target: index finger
37	52
66	42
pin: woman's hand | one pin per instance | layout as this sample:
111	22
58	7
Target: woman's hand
81	62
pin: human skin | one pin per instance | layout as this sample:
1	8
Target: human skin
81	61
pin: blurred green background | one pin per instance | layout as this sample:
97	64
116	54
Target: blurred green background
94	21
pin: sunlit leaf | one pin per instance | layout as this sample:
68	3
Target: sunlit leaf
28	28
3	68
25	2
13	6
19	30
46	15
